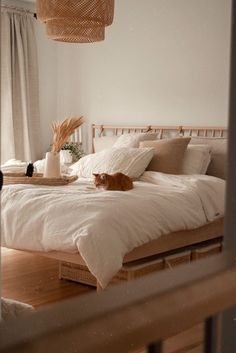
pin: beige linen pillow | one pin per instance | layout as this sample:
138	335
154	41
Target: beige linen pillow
168	154
218	165
196	159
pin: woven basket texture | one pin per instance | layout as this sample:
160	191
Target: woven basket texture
37	179
69	31
76	21
86	12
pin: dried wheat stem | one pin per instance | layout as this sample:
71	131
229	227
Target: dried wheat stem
63	130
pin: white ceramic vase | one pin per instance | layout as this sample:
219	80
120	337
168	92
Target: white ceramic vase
52	167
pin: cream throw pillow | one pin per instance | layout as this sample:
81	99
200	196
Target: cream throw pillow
130	161
168	154
196	159
218	164
133	140
104	142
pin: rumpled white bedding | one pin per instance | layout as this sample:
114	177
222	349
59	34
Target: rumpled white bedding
105	225
14	166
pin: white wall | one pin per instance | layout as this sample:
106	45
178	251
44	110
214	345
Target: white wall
162	62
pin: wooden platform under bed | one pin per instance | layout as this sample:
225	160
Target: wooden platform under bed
139	268
163	253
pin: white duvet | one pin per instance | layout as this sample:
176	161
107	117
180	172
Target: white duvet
105	225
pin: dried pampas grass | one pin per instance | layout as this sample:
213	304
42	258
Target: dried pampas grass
63	130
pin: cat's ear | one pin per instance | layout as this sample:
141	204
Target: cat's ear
103	177
95	174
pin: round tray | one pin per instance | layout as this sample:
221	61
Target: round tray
37	179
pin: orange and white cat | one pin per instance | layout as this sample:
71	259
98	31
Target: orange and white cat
117	181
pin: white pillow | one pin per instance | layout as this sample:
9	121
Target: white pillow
104	142
132	140
196	159
130	161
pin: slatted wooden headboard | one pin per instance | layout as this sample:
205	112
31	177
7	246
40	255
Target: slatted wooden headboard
163	131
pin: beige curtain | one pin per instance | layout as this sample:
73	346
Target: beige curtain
20	127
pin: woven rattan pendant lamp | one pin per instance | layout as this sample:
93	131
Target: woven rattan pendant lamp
81	21
71	31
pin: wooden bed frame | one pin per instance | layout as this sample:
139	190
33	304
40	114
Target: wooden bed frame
162	130
165	252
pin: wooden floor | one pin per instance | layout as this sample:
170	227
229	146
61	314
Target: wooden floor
34	280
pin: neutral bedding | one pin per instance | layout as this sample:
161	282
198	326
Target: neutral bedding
105	225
